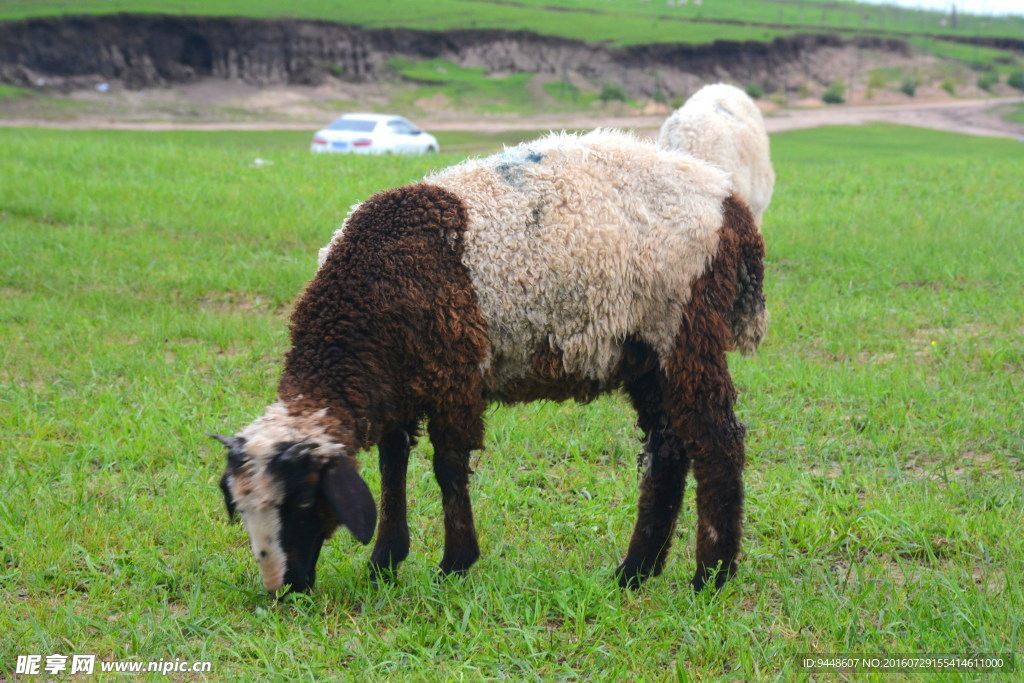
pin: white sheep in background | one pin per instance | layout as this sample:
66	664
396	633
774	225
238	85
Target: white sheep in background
563	268
722	125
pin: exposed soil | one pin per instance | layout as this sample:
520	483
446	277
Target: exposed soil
144	51
152	72
972	117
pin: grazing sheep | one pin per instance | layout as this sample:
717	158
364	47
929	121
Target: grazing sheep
722	125
564	268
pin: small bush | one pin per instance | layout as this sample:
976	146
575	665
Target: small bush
834	94
677	102
563	90
909	87
659	95
876	79
988	80
755	91
612	92
1016	79
949	86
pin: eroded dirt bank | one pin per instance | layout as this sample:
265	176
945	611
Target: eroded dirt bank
141	51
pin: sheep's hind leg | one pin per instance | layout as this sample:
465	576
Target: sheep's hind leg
718	468
661	486
713	438
392	545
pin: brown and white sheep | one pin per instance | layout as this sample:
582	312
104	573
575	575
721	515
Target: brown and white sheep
562	268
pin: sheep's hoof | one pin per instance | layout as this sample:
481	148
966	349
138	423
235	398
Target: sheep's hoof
632	575
383	574
449	576
458	563
712	576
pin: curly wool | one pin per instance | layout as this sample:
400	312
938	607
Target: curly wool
576	242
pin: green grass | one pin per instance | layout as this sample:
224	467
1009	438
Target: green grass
622	21
1003	61
12	92
439	15
1017	116
471	89
145	281
464	88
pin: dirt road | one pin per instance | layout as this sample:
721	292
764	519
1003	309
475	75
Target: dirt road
972	117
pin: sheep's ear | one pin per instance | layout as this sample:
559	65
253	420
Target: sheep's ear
350	498
233	443
229	502
295	453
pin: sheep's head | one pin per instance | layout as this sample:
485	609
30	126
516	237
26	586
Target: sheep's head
292	499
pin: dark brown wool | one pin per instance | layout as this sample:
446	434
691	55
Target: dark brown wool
389	329
388	332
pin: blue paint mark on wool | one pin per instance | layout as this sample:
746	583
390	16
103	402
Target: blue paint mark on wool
511	163
720	107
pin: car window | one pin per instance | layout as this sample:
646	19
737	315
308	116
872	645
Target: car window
400	128
354	125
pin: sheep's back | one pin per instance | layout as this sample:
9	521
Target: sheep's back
575	244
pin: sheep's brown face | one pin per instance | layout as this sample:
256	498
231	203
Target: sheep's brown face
291	502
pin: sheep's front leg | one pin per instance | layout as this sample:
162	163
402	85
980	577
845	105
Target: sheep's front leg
661	486
392	545
461	550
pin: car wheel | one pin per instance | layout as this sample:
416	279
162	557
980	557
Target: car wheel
431	150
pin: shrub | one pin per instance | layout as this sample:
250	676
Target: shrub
949	86
987	80
659	94
612	92
834	94
755	91
563	90
336	70
1016	79
876	79
909	86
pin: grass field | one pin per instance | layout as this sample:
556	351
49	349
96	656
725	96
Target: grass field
145	281
1017	115
618	21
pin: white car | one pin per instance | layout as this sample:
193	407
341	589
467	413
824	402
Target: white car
373	134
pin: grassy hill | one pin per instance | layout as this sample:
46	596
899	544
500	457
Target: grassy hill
621	22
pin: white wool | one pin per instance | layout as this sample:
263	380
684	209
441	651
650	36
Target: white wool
277	425
722	125
576	242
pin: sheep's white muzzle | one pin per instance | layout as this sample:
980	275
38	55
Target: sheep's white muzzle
264	528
